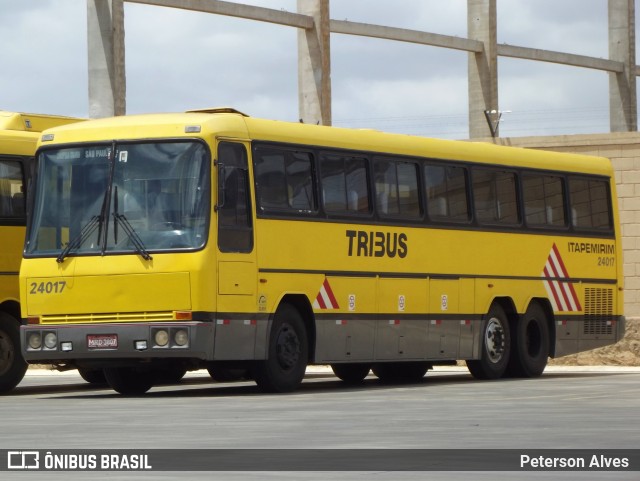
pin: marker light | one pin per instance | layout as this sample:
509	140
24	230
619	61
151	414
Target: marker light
50	340
66	346
181	338
141	345
35	340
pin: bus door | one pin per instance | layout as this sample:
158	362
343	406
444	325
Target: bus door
236	324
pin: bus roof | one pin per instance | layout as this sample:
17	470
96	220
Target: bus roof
24	122
231	124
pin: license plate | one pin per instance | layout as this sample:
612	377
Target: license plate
102	341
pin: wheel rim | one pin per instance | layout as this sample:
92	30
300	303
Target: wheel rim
494	340
287	347
6	352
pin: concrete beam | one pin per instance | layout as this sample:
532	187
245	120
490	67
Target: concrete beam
482	67
512	51
623	109
314	64
405	35
105	45
231	9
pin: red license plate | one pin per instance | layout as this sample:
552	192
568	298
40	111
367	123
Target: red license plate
102	341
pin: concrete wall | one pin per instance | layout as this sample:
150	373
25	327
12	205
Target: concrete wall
623	149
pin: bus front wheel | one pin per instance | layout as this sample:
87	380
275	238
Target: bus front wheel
351	373
287	354
12	364
129	381
92	376
496	346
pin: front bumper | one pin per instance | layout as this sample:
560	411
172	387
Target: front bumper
117	341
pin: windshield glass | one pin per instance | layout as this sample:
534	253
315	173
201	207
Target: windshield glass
157	199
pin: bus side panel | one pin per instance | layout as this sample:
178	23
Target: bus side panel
402	328
345	308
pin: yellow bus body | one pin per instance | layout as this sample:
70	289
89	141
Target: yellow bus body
399	291
19	134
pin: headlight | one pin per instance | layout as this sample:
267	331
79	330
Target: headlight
181	338
35	340
50	340
161	338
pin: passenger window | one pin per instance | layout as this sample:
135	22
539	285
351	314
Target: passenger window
12	201
397	189
284	181
590	207
446	190
494	196
543	200
344	184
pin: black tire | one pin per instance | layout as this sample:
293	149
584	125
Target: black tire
397	372
530	341
351	373
12	364
225	374
169	374
496	346
129	381
92	376
287	354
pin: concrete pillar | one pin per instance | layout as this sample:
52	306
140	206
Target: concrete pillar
314	65
483	66
622	47
105	40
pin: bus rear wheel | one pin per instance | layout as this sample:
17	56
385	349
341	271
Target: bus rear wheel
496	346
12	364
287	354
530	344
129	381
393	372
351	373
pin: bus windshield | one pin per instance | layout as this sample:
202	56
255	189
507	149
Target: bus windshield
120	198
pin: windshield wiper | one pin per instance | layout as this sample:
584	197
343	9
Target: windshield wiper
129	230
94	223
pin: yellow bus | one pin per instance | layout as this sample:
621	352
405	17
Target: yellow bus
210	239
19	134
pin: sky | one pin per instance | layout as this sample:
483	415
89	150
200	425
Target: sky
178	60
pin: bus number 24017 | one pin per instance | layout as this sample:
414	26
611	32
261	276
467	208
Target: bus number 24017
47	287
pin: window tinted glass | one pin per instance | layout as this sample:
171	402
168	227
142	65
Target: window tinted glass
11	189
396	189
589	204
344	184
284	181
446	190
543	200
235	232
494	194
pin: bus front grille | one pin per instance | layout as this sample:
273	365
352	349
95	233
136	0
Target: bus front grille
107	317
